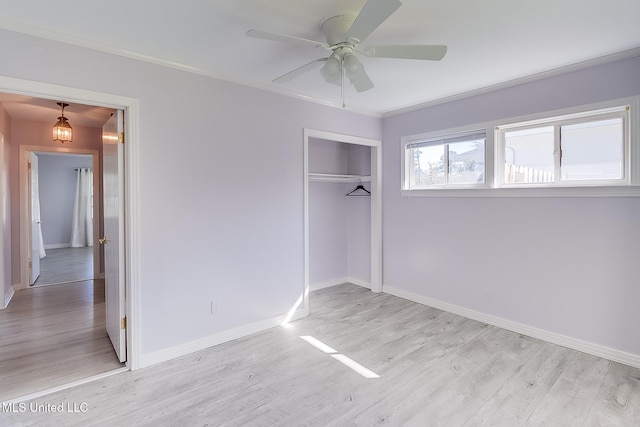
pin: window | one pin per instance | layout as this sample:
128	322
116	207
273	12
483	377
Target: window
591	150
572	150
448	161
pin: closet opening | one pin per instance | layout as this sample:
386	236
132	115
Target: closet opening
342	211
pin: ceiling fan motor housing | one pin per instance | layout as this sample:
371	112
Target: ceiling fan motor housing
335	29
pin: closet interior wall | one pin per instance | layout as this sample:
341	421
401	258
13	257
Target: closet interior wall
339	225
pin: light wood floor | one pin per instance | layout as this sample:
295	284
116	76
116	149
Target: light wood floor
64	265
51	336
436	369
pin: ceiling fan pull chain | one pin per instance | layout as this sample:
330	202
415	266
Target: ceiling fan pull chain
342	80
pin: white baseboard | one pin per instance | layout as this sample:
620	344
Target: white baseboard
57	246
7	298
340	281
327	284
552	337
42	393
359	282
211	340
232	334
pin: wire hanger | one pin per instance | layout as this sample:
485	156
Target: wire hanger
359	188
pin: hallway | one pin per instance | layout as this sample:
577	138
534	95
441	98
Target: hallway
54	335
65	265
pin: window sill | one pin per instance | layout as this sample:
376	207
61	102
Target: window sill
603	191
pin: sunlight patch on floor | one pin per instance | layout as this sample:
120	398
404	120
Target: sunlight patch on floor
345	360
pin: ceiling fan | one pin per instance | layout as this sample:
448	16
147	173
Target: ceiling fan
344	33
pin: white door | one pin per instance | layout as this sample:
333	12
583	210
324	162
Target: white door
36	231
113	238
4	282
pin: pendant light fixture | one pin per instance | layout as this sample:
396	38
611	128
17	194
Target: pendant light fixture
62	131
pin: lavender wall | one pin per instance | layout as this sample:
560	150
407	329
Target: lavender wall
220	188
328	262
339	226
564	265
358	217
57	179
358	236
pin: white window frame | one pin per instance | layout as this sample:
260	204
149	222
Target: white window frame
440	140
620	112
629	186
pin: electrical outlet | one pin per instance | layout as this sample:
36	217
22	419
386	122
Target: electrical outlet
215	307
487	295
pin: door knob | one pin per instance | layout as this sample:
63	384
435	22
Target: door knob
103	240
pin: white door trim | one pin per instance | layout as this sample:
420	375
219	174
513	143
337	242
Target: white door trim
376	205
131	171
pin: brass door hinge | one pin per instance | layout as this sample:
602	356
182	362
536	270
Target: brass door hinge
121	137
123	323
30	264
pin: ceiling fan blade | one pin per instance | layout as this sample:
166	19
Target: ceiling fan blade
258	34
299	71
361	81
428	52
373	13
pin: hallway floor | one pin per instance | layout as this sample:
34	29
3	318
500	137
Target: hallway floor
53	335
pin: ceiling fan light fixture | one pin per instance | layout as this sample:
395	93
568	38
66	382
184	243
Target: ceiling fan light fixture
354	70
332	69
352	66
62	130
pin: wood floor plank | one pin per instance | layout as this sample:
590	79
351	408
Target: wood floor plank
65	265
619	392
435	369
514	403
53	335
443	383
571	397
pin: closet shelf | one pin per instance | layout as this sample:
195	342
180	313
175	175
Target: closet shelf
330	177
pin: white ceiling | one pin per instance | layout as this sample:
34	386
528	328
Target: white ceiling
490	41
47	110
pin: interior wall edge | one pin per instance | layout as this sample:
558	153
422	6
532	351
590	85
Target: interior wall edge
358	282
328	283
7	298
339	281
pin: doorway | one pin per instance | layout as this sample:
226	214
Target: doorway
373	178
28	254
64	205
130	242
79	346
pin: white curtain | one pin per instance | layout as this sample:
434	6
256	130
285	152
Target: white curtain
35	206
82	226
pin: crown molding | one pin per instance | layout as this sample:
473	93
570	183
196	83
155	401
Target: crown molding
33	31
30	30
601	60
